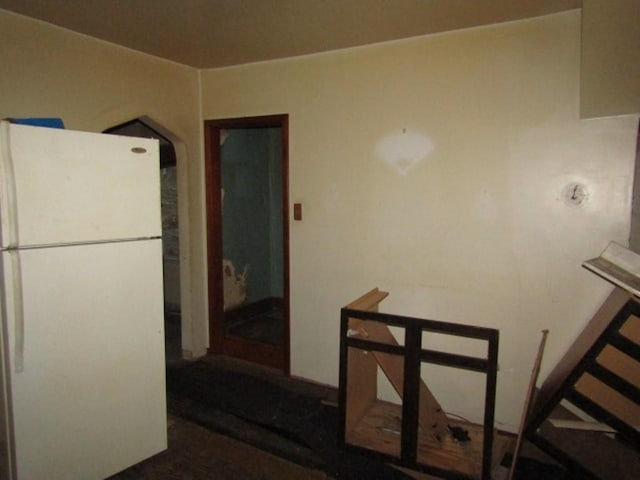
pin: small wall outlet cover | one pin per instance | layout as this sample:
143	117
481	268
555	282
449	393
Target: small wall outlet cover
297	211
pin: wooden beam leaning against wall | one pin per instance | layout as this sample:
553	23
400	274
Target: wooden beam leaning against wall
362	372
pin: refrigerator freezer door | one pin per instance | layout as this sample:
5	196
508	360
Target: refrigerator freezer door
61	186
90	400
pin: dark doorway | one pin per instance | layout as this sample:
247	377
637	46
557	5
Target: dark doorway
248	238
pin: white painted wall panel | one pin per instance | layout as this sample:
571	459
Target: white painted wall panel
478	231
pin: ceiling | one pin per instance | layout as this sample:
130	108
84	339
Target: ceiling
217	33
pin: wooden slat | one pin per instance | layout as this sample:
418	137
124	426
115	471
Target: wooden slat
527	402
582	425
369	301
430	414
621	364
631	329
608	398
362	367
362	388
594	329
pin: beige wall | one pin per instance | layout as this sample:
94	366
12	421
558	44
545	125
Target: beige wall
477	232
92	85
610	58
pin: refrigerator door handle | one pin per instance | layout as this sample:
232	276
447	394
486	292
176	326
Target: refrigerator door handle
18	310
8	194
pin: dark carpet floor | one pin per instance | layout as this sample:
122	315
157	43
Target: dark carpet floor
290	419
196	453
264	413
264	324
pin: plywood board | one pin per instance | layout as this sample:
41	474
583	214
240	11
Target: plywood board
380	430
362	386
369	301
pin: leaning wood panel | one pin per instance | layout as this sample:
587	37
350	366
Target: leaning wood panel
362	389
598	324
431	416
362	367
598	375
369	301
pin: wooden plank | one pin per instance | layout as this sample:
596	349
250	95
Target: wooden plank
596	326
527	403
362	387
369	301
631	329
430	414
609	399
621	364
582	425
362	367
379	430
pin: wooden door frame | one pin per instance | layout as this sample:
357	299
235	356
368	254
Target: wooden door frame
252	351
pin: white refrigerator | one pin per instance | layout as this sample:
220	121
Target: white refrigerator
82	379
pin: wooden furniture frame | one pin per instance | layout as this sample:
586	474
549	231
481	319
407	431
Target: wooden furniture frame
425	431
600	375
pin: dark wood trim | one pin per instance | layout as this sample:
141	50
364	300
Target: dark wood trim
491	385
254	309
256	352
218	343
214	236
410	401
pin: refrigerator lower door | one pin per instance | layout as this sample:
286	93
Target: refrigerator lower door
89	399
6	461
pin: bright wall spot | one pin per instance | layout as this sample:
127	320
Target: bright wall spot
404	150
